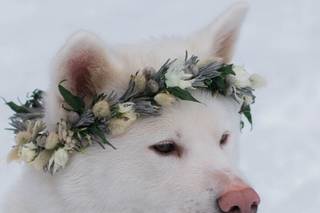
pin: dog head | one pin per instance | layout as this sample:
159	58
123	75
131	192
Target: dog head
182	161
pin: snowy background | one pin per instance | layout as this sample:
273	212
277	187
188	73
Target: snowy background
280	39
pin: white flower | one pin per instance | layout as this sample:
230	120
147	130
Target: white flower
23	137
52	140
257	81
140	82
164	99
247	99
41	160
101	109
62	130
119	126
241	79
28	152
125	107
58	160
39	126
176	77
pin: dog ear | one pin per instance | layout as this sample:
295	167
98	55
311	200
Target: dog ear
83	64
221	35
86	70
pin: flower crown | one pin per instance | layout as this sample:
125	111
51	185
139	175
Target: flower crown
107	114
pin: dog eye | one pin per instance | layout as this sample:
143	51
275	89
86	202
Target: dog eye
224	139
166	148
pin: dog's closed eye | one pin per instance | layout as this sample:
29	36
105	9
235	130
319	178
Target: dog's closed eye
224	139
166	148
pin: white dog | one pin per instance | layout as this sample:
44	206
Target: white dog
182	161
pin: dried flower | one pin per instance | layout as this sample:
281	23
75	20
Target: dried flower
41	160
164	99
101	109
38	126
28	152
58	160
176	77
125	107
23	137
119	126
153	86
52	140
257	81
140	82
13	154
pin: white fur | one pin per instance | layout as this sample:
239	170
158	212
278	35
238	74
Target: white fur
133	178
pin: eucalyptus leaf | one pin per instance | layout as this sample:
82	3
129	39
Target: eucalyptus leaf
17	108
101	134
246	111
75	102
181	94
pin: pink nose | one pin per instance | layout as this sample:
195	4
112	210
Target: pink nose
239	201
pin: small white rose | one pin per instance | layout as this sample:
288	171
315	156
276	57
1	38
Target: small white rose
241	79
176	77
164	99
140	82
126	107
118	126
41	160
28	152
52	140
23	137
58	160
101	109
257	81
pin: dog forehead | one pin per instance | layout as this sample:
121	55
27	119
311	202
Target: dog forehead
212	112
211	117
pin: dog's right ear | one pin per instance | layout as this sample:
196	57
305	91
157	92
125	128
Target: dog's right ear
86	70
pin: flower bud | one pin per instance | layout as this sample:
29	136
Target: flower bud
140	82
58	160
153	86
41	160
52	140
28	152
247	100
23	137
101	109
125	107
164	99
118	126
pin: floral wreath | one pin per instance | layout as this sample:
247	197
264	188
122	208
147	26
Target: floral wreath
148	91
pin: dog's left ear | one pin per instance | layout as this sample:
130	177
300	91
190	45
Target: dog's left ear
221	35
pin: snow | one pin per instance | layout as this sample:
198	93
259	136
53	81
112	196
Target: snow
280	40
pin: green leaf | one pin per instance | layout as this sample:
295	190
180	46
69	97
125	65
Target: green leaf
241	124
17	108
226	70
246	111
182	94
75	102
98	132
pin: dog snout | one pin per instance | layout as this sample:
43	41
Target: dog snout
244	200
